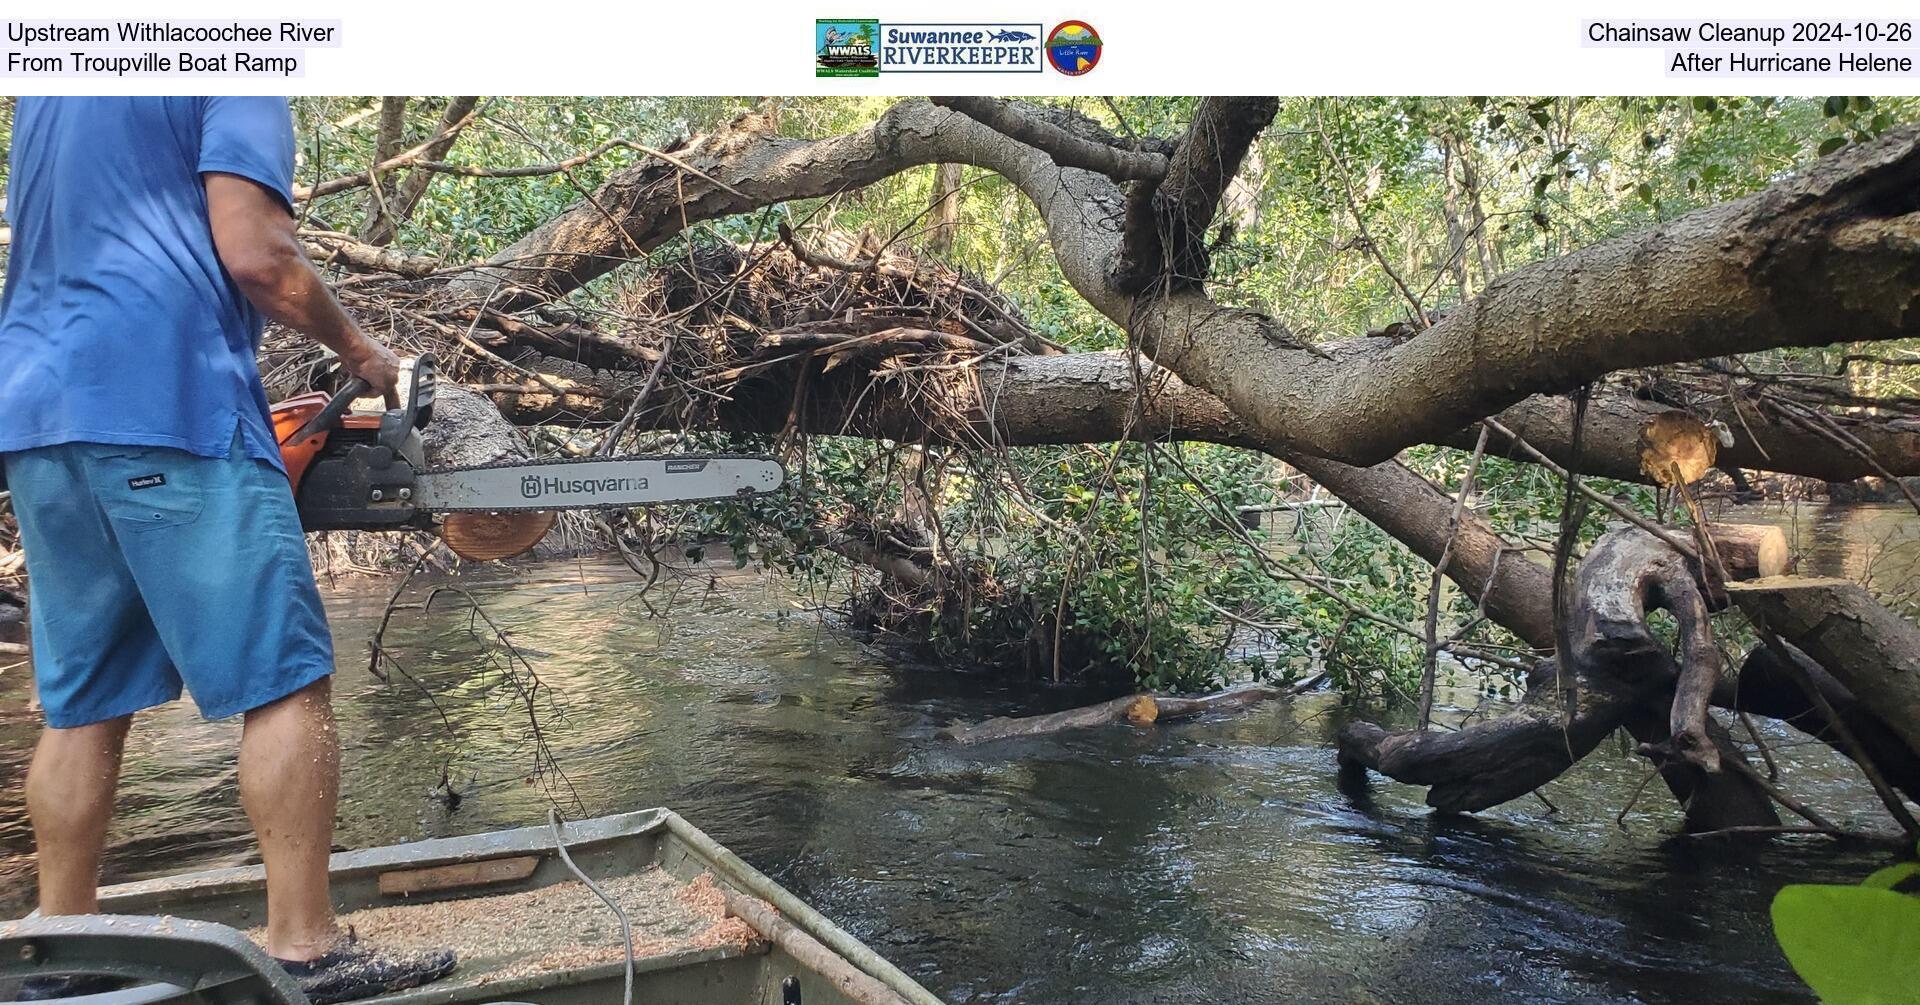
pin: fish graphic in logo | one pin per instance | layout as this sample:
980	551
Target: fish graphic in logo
530	486
846	48
1009	35
1073	47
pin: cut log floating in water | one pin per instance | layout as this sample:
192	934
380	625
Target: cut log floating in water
1750	550
1873	652
1134	709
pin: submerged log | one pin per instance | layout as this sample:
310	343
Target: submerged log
1135	709
1618	675
1871	651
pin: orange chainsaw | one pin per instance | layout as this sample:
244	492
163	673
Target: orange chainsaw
368	471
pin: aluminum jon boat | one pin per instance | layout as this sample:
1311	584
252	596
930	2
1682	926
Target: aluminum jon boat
705	928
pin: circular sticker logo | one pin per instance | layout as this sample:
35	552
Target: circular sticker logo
1073	47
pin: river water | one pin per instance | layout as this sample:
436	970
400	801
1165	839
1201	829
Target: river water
1213	861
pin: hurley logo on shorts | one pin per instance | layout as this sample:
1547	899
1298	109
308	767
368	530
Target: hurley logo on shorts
146	481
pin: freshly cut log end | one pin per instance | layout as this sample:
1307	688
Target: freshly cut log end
487	537
1676	448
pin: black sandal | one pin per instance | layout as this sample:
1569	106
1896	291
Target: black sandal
39	989
352	970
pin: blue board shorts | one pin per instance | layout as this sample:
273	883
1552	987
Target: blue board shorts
148	567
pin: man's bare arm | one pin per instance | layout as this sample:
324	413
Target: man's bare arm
255	239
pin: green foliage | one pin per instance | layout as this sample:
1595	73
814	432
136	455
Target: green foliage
1854	945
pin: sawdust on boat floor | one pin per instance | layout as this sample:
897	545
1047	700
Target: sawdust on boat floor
561	926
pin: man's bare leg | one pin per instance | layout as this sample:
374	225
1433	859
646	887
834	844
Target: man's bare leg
289	783
70	798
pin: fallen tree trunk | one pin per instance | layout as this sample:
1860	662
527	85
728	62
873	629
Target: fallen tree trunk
1870	650
1759	442
1750	551
1827	251
1135	709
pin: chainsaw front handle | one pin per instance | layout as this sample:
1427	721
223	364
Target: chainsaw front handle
419	408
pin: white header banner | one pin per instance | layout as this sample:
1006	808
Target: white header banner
875	47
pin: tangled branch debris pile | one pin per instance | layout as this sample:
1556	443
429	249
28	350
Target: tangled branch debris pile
777	337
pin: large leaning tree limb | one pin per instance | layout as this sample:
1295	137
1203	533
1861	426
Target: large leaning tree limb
1830	254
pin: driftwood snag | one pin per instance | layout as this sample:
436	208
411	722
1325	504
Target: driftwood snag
1617	676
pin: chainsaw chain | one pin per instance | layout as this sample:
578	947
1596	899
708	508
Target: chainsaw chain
543	462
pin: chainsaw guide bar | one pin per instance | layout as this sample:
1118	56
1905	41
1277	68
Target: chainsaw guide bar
594	482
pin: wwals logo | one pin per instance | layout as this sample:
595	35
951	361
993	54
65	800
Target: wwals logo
846	48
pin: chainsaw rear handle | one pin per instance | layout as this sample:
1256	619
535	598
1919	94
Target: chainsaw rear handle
398	421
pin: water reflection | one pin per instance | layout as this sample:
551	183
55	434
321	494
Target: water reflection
1207	862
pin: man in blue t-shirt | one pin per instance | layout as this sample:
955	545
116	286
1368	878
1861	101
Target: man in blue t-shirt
151	236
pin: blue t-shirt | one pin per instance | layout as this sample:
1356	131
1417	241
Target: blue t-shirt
118	324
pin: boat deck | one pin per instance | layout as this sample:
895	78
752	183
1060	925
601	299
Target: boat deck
563	926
